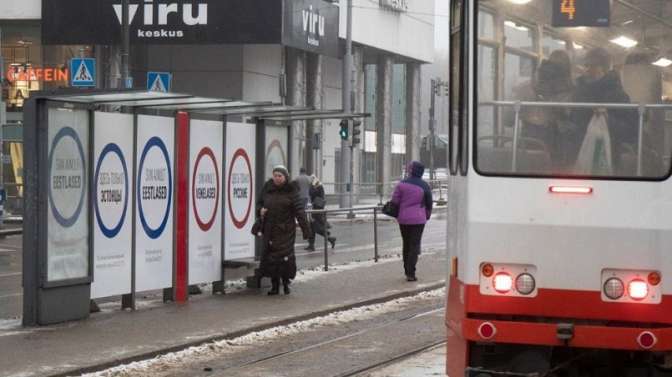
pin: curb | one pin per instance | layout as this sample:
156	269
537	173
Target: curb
10	232
235	334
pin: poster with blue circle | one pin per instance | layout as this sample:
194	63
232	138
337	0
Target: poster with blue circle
67	214
154	202
112	204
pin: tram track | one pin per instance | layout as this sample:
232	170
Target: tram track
356	334
341	344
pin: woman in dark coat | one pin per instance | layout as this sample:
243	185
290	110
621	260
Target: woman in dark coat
319	224
279	205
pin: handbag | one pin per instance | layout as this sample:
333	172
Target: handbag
258	227
319	203
391	209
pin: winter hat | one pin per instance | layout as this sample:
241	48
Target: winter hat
282	170
416	169
315	181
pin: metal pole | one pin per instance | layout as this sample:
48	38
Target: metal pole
432	102
3	120
346	98
326	250
125	45
640	144
375	234
351	214
516	130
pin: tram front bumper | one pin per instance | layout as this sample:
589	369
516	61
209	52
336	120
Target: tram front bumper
658	339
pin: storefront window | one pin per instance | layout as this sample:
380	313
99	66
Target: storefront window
30	66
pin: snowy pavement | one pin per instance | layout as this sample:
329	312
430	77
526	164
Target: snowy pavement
217	349
113	337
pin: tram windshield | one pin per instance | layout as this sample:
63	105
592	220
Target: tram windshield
560	92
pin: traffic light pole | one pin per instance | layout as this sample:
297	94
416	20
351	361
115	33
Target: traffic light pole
346	201
435	86
125	45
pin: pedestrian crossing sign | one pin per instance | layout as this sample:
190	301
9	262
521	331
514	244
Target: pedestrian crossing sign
158	81
83	72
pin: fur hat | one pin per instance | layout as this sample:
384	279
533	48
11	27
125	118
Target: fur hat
282	170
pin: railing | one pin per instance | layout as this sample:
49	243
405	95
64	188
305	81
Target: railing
375	189
326	212
518	105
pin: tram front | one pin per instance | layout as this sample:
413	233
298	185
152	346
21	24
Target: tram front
561	205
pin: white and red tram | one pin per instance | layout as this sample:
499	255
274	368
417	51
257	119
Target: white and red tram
560	217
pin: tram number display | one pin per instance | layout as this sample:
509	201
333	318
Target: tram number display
575	13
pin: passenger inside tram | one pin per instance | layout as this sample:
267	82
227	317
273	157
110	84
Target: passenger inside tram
574	101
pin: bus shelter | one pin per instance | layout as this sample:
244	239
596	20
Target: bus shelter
134	191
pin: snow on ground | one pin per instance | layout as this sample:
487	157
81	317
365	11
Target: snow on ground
149	301
218	348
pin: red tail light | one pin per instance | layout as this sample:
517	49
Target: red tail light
570	190
487	330
638	289
647	340
503	282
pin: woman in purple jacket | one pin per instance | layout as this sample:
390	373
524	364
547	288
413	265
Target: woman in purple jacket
414	198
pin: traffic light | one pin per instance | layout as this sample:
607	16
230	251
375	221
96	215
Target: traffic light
344	129
356	132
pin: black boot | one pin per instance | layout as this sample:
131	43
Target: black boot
311	245
332	241
275	287
285	286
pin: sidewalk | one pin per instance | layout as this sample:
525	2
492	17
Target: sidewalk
108	338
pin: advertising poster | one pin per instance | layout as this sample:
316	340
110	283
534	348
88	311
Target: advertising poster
154	203
112	204
240	193
206	190
68	212
276	148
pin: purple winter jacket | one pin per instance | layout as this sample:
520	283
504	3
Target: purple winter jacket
414	197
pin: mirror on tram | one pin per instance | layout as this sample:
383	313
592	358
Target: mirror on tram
587	95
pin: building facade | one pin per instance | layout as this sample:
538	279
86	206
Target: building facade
286	51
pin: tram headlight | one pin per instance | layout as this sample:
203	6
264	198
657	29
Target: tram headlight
525	284
613	288
503	282
638	289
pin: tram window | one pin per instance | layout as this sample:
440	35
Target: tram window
519	36
549	44
487	86
552	80
456	87
486	25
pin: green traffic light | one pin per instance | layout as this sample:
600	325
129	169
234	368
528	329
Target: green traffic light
344	130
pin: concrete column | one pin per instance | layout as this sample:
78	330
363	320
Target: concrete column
315	85
413	106
384	123
296	96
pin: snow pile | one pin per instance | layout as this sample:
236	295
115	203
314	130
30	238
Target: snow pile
216	349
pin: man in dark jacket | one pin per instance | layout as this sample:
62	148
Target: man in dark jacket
280	206
601	84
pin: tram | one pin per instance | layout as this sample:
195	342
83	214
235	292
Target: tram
560	217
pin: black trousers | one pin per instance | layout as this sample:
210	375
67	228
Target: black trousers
411	236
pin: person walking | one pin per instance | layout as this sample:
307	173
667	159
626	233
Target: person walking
413	196
280	207
319	224
303	182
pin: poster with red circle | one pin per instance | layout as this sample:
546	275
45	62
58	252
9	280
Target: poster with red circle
240	193
206	190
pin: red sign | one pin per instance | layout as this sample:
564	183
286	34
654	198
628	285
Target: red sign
38	74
